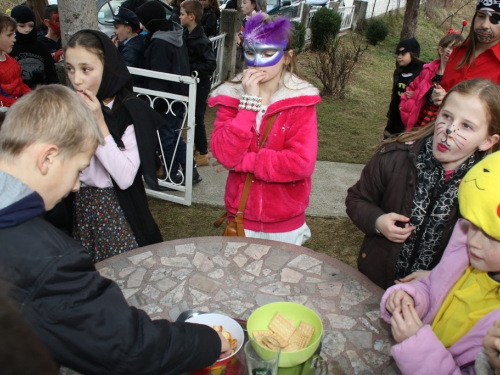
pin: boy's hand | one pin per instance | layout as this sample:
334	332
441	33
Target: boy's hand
438	95
386	224
412	277
251	80
491	343
395	301
225	348
405	323
115	41
95	105
409	94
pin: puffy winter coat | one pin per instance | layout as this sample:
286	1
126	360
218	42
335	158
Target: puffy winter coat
410	108
282	168
423	353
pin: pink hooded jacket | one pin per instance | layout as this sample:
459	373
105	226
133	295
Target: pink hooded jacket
410	108
282	168
423	353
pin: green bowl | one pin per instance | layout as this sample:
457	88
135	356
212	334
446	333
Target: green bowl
260	319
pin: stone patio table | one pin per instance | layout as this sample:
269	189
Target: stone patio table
236	275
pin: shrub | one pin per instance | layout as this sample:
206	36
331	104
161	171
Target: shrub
376	31
299	36
334	66
325	25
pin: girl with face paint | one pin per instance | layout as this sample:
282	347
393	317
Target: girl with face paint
282	167
406	198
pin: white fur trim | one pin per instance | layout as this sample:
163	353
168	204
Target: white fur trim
294	87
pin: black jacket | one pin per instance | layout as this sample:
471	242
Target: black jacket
133	54
82	317
201	55
37	64
209	22
167	53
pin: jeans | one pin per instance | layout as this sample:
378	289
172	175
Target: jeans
169	133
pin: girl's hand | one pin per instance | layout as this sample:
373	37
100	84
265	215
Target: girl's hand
412	277
409	94
225	348
386	224
95	105
491	343
395	301
221	168
251	80
438	95
406	323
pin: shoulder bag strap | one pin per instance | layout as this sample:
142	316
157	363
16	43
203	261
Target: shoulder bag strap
248	181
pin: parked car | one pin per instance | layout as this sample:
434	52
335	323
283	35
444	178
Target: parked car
106	9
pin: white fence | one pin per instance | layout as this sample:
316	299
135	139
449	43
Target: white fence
181	191
218	47
347	14
379	7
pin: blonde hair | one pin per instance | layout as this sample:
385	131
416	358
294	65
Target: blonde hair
483	89
51	114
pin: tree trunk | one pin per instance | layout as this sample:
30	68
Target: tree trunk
411	18
75	15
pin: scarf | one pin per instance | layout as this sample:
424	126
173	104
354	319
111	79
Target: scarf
432	204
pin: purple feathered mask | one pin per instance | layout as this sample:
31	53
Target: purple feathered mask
264	43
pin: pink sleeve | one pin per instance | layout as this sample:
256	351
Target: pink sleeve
122	165
233	132
424	354
297	159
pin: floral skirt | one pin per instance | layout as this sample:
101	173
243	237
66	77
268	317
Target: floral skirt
100	224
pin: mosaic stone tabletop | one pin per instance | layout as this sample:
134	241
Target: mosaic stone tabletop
235	276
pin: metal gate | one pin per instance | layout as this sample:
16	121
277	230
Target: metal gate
176	191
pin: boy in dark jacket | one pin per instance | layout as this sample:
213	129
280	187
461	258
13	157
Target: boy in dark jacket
131	45
52	40
167	53
201	60
83	319
37	64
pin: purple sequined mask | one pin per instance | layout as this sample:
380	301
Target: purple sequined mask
264	44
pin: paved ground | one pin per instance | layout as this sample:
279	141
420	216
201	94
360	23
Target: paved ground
329	187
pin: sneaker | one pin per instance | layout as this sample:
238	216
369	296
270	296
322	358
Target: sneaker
196	177
201	160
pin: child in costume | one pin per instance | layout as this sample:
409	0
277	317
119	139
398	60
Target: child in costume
439	321
282	168
406	199
111	210
408	67
11	82
416	107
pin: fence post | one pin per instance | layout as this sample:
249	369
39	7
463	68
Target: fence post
359	13
229	24
304	14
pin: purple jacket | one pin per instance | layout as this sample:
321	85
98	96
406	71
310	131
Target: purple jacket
410	108
423	353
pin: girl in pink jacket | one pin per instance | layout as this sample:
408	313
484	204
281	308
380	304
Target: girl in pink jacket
282	168
439	321
416	107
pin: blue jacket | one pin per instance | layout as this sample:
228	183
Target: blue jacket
133	54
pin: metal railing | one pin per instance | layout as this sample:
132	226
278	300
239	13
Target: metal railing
218	47
347	14
180	190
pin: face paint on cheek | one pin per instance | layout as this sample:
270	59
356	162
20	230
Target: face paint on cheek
263	55
54	24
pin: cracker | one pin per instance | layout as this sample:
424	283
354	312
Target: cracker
282	326
292	348
270	344
302	335
262	333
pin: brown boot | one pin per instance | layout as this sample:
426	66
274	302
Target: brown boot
201	160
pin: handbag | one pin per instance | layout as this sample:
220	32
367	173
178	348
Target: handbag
235	227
